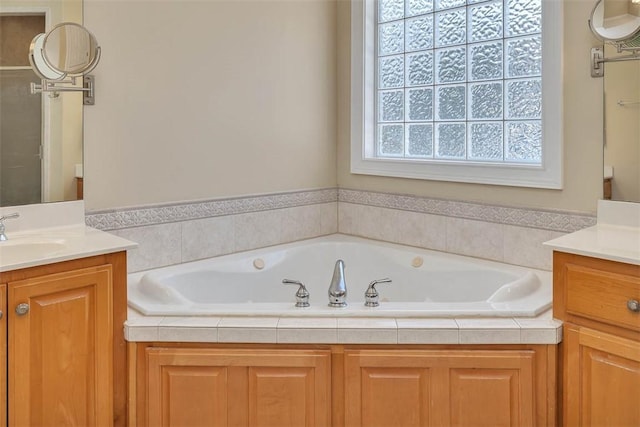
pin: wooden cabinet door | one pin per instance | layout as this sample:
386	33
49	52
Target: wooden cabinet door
439	388
492	388
219	387
3	354
602	379
61	349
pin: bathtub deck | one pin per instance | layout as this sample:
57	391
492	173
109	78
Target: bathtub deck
542	329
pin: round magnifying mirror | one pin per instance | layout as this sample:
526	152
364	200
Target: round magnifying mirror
618	28
38	63
71	49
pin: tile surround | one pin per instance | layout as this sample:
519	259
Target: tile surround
290	330
178	233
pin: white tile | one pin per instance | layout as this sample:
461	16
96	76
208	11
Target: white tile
307	323
328	218
248	335
300	222
539	336
524	246
422	230
310	336
208	237
142	328
367	336
249	322
475	238
257	229
143	320
158	246
366	323
488	331
140	333
379	223
307	330
367	331
190	321
187	334
349	218
248	329
427	331
540	330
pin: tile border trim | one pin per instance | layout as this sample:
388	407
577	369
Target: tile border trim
562	221
160	214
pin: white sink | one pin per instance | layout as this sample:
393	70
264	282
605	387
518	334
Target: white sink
35	247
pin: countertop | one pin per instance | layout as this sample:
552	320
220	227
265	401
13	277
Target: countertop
48	245
605	241
616	237
542	329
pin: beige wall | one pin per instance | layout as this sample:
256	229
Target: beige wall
207	99
210	98
582	135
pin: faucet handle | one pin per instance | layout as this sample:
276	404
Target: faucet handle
9	216
371	294
302	295
3	237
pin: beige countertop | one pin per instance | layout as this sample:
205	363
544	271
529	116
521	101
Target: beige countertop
611	242
48	245
45	233
616	237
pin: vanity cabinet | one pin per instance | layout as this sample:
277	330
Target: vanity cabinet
182	384
64	344
440	388
235	387
601	346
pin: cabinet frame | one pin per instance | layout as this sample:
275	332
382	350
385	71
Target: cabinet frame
543	376
589	296
118	264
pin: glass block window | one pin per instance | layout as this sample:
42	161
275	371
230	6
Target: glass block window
459	80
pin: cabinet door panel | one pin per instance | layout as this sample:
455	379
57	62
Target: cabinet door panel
281	397
395	396
439	388
3	355
61	350
386	388
473	391
237	387
607	373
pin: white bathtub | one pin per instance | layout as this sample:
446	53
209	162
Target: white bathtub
425	283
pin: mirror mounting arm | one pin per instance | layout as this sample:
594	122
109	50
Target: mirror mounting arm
54	88
598	60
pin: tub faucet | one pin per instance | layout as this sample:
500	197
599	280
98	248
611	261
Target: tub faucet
3	236
338	287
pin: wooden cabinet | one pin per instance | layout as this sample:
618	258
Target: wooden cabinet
3	354
235	387
269	385
444	388
601	345
64	344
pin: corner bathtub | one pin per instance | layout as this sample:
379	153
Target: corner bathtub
425	283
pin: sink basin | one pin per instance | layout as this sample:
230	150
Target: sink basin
30	247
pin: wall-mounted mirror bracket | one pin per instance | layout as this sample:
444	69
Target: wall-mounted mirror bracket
53	88
598	60
68	52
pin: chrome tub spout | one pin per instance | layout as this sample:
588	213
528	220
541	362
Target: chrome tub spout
338	286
